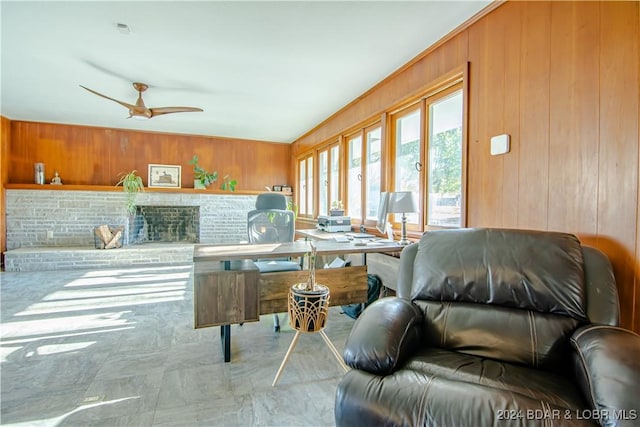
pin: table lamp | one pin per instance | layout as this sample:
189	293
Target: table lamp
402	202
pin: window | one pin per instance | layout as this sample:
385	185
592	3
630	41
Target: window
328	177
364	173
334	174
354	177
444	180
407	126
305	185
418	147
427	151
323	182
373	179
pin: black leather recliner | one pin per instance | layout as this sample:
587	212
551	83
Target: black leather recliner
493	327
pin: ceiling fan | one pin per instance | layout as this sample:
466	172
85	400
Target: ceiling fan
139	110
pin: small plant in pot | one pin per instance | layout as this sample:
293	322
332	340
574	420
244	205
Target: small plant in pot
228	183
132	185
309	302
202	178
337	208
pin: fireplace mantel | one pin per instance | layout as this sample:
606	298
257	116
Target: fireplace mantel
73	187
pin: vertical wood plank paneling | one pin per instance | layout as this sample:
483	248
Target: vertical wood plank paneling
101	169
20	154
479	173
488	77
5	137
407	82
495	79
87	155
534	116
636	282
511	125
573	127
618	156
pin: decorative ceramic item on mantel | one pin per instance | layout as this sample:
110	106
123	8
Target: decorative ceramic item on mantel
56	179
38	173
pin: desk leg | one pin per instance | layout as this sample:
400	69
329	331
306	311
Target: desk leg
225	330
225	338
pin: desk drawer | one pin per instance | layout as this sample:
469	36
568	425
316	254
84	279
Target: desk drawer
346	285
223	297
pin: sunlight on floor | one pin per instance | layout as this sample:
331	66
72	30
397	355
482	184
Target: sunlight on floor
64	301
52	422
85	306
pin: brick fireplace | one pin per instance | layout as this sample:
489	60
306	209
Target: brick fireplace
165	224
56	218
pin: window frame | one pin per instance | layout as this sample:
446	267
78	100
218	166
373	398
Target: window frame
329	148
362	132
456	79
308	211
439	96
419	107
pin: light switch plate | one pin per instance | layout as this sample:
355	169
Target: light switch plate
500	144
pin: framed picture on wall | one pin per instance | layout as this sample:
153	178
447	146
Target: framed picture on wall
165	176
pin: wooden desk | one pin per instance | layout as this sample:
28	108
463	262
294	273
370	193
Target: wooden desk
280	250
228	289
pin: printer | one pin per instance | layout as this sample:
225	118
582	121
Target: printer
334	224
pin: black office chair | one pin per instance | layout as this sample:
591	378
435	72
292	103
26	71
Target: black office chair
271	222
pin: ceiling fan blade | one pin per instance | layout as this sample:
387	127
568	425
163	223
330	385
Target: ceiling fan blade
124	104
108	71
169	110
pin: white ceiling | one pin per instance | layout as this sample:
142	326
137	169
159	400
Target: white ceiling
260	70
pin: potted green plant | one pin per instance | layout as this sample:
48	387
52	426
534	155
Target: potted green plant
293	207
228	183
203	178
337	209
132	185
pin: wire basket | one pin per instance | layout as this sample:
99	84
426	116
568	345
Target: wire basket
308	310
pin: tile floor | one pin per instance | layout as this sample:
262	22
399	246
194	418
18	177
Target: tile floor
117	347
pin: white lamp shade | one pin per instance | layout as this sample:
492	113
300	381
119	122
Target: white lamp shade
401	202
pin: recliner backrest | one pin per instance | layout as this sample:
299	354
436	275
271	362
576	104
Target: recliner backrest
513	295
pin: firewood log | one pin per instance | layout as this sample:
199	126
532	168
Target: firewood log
115	241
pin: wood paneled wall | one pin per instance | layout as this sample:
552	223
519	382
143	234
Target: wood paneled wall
5	137
96	156
562	78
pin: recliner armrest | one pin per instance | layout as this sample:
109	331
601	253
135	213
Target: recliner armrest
384	335
607	367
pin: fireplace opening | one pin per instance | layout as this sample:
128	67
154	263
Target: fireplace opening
165	224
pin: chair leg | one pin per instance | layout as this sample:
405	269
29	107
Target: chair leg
276	322
334	350
286	357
